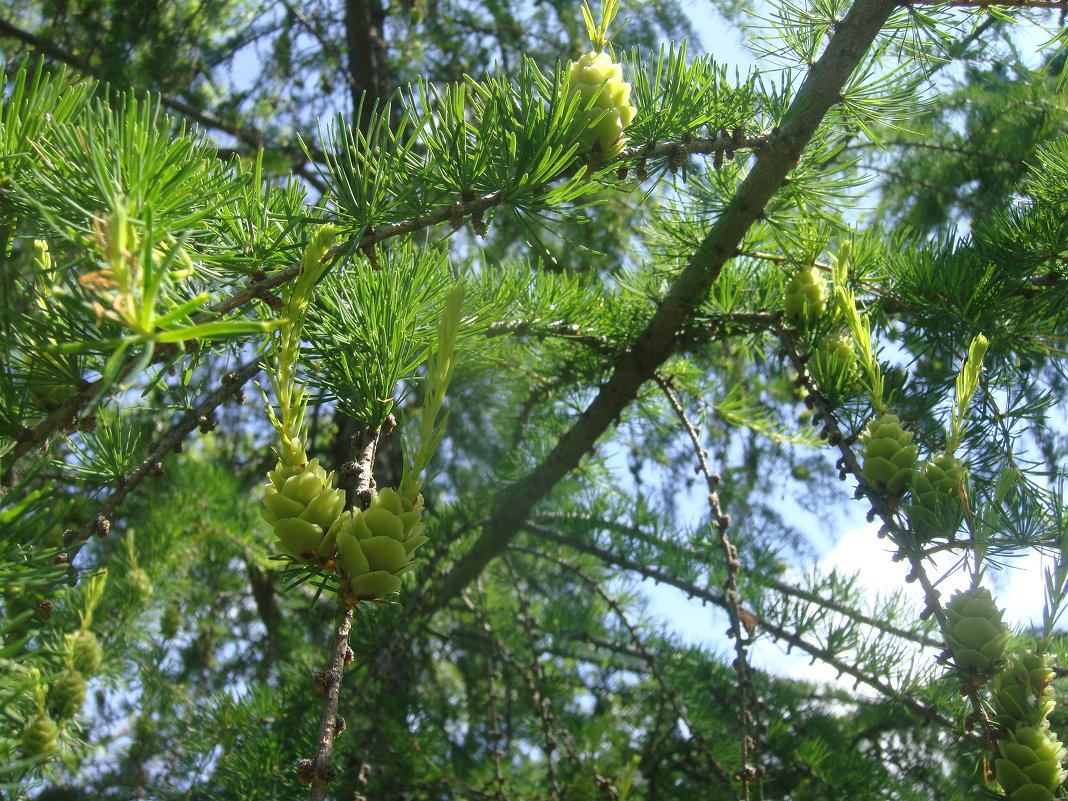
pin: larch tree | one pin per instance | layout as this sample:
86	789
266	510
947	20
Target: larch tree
363	364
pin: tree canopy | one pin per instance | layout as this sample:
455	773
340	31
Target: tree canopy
364	366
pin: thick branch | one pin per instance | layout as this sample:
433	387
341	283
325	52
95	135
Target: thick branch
820	91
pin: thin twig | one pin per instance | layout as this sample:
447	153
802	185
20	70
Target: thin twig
550	722
706	595
319	771
646	655
849	464
201	416
541	701
494	735
776	584
741	621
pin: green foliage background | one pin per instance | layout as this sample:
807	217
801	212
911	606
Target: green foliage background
521	660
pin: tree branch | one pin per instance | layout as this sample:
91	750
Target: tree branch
741	626
243	133
777	632
199	416
318	772
646	655
820	90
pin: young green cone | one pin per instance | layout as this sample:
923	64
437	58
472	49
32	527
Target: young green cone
1030	767
40	736
976	634
66	695
805	298
834	364
597	79
889	455
375	546
1022	691
170	621
141	584
85	652
936	508
301	503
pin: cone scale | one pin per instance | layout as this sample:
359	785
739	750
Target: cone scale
604	97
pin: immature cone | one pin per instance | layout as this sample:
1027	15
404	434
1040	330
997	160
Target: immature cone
1022	691
141	584
301	503
936	509
889	455
805	299
1030	767
170	621
976	634
40	736
597	79
834	363
375	546
85	652
66	695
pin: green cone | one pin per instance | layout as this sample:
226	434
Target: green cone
936	509
889	455
141	584
170	621
597	79
375	546
1022	691
976	634
1030	767
834	364
66	695
40	736
301	503
805	298
85	652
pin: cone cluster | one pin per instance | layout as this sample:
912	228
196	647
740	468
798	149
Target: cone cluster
834	362
301	503
598	81
375	546
805	297
371	547
66	694
1030	765
39	736
1022	691
976	634
936	509
1030	755
888	454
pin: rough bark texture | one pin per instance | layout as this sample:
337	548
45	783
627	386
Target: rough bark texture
366	51
820	91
